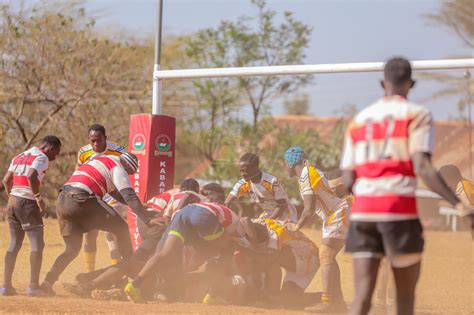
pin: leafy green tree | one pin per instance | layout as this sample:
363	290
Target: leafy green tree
261	41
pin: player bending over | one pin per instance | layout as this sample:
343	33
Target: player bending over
274	246
319	198
205	226
111	277
263	188
80	208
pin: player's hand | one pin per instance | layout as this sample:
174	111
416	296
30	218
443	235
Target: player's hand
464	209
157	221
291	226
41	205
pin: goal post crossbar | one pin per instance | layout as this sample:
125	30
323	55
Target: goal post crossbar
443	64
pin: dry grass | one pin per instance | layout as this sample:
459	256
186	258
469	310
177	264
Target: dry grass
446	285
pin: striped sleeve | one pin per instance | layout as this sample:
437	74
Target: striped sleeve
305	183
421	133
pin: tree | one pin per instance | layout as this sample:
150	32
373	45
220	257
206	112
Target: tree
298	105
58	75
269	44
216	98
456	15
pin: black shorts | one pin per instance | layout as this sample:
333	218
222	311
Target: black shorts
80	212
385	238
23	213
151	236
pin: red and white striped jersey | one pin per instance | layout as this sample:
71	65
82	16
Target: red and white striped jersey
172	206
229	220
21	165
379	144
160	201
100	175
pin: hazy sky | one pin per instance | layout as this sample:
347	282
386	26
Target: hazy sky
343	31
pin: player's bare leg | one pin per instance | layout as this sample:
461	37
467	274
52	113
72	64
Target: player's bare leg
405	281
365	277
164	257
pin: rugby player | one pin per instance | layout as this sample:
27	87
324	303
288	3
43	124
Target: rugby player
98	145
80	208
263	188
207	226
25	206
274	246
111	276
319	198
463	188
386	146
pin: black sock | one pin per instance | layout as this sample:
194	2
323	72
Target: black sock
10	259
36	259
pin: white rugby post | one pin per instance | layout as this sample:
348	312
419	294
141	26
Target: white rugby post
156	95
445	64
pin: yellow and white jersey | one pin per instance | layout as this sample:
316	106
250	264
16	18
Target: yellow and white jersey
465	191
265	194
332	209
305	252
86	152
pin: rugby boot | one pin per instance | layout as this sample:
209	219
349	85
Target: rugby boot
134	294
36	292
213	300
7	291
110	294
328	307
48	288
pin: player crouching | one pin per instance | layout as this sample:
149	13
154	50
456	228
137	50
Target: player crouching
205	226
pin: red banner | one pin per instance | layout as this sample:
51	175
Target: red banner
152	140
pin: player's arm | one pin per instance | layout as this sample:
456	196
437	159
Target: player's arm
233	195
117	196
421	131
8	182
348	178
424	168
281	199
282	205
309	201
35	183
132	200
79	161
229	200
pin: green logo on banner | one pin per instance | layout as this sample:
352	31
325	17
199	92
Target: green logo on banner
138	144
163	146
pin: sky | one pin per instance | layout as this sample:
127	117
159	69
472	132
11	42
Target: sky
343	31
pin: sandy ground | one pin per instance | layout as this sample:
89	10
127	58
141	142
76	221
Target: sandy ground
446	285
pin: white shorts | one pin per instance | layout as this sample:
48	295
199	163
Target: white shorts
307	264
291	215
336	225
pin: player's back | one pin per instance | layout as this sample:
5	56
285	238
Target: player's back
384	136
20	167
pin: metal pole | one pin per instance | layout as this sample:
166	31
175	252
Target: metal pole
467	75
156	96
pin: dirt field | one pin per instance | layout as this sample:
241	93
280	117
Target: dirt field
446	286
